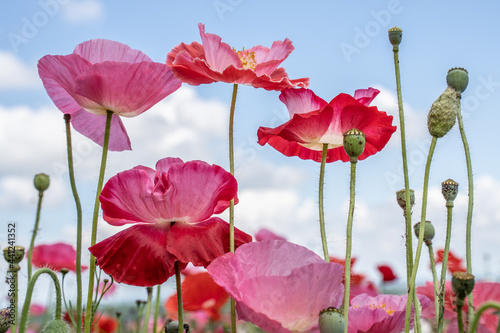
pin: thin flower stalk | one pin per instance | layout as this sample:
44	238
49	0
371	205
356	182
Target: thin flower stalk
145	325
320	200
435	281
180	309
483	307
157	308
32	243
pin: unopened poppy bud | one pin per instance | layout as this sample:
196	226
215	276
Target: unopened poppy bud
449	188
331	320
401	198
462	284
173	327
354	143
429	232
5	320
41	182
56	326
64	271
13	254
443	113
458	79
395	36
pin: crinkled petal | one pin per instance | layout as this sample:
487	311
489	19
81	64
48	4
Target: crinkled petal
267	59
202	242
100	50
137	256
124	88
55	256
218	55
366	96
301	101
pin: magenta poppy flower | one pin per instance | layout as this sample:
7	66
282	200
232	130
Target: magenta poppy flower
215	61
379	314
387	273
55	256
171	209
103	75
279	286
314	122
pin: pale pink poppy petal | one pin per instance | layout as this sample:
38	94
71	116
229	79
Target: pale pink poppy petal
218	55
264	234
137	256
301	101
366	96
268	60
100	50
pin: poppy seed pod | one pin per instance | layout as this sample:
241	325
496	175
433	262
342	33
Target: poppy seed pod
354	143
41	182
4	320
429	232
395	36
462	284
56	326
173	327
449	188
401	198
13	254
457	79
331	320
443	113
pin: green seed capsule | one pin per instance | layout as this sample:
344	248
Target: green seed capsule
443	113
458	79
429	232
41	182
449	188
354	143
462	284
395	36
13	254
401	198
56	326
4	320
331	320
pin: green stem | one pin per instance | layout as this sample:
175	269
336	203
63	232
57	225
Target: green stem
409	246
148	310
320	199
90	310
483	307
180	309
444	267
435	280
29	293
231	205
470	179
157	308
411	291
79	227
32	243
347	269
460	320
14	276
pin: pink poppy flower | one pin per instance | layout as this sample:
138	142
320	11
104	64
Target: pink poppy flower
379	314
387	273
55	256
103	75
279	286
171	209
215	61
264	234
314	122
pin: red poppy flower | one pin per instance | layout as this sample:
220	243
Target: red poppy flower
103	75
172	210
315	122
215	61
55	256
105	324
387	273
199	292
455	264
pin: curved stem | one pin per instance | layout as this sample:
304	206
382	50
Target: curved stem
78	205
32	243
444	267
470	180
320	199
90	310
157	308
435	280
411	291
409	246
460	320
347	265
145	325
483	307
180	309
29	293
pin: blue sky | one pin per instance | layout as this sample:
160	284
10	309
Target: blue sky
341	46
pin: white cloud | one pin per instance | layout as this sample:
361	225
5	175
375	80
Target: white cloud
19	193
79	11
15	74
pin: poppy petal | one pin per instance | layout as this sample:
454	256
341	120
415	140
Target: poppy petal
100	50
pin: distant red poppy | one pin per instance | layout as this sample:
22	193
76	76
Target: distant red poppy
105	324
55	256
455	264
387	273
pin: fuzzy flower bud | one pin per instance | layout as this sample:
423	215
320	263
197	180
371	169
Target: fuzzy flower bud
457	79
449	188
13	254
395	36
354	143
331	320
56	326
41	182
429	232
462	284
401	198
4	320
443	113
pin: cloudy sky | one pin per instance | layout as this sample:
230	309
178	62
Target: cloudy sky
340	46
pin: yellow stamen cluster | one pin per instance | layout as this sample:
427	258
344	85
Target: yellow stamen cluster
247	59
389	310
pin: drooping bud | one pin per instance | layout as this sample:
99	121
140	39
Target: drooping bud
449	188
457	79
5	320
41	182
354	143
462	284
443	113
173	327
429	232
401	198
64	271
331	320
56	326
395	36
13	255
